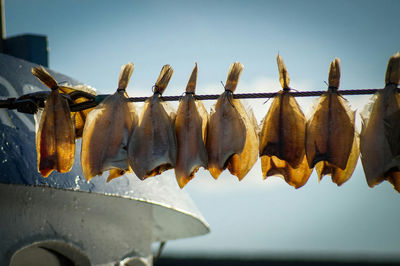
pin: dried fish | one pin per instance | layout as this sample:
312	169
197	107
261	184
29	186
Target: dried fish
380	133
330	132
191	131
282	136
232	140
152	146
55	136
107	131
79	94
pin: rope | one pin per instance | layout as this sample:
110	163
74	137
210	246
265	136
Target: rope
261	95
29	103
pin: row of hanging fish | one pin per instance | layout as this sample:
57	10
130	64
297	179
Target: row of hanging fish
116	138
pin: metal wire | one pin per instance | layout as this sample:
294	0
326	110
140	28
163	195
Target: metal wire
262	95
29	103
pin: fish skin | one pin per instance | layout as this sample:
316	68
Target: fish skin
55	139
283	130
232	139
55	135
105	137
377	157
282	136
241	163
191	131
282	139
107	130
330	132
332	143
152	146
226	134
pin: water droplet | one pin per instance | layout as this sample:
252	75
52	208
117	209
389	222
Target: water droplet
77	186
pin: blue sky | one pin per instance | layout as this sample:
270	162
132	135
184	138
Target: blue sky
90	40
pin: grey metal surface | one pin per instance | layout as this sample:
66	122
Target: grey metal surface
104	228
168	211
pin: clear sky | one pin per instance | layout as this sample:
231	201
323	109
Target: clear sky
89	41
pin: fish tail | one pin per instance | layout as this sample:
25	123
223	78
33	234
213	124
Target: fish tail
125	76
191	86
163	79
334	73
393	69
283	73
234	72
44	77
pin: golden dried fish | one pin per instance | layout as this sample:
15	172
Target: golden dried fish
380	134
191	131
331	133
79	94
232	140
152	146
55	137
107	131
282	136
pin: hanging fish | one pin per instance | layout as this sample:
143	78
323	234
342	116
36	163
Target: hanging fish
331	141
152	147
79	94
55	137
380	133
282	136
232	140
107	131
191	131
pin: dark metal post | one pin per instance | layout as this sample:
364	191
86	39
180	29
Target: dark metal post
2	25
